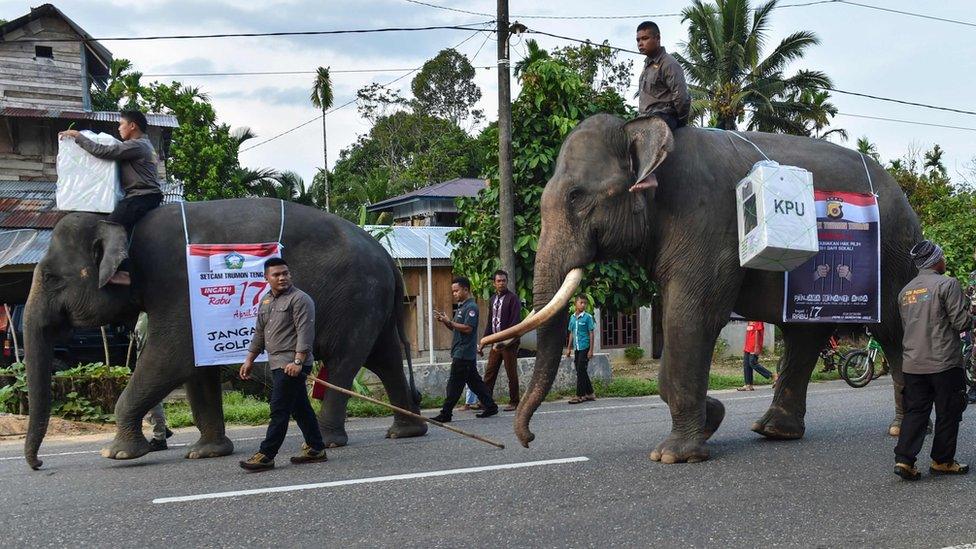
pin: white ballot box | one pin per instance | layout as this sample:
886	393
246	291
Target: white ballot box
87	183
777	217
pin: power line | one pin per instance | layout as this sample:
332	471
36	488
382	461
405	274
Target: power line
284	73
466	26
594	17
914	122
845	92
350	102
908	13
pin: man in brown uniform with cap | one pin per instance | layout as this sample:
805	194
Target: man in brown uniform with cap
933	312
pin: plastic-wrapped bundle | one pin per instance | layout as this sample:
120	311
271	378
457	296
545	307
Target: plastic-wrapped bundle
87	183
777	217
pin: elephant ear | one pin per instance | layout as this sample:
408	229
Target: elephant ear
650	142
111	244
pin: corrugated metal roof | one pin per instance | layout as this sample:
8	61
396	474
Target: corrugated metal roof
158	120
461	186
28	205
411	242
33	253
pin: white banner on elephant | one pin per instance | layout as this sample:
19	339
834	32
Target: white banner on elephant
226	286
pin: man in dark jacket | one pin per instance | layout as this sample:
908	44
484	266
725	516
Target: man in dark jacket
505	311
138	167
933	312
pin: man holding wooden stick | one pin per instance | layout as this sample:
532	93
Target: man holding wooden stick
286	329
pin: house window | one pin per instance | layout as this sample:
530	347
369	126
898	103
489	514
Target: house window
618	330
45	52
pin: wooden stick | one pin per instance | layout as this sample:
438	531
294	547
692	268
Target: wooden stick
406	412
105	345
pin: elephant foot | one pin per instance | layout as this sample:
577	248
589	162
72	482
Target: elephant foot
676	449
407	430
334	439
778	424
126	448
714	414
210	448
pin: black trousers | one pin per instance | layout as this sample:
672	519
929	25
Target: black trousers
583	385
750	362
947	391
465	372
129	211
290	398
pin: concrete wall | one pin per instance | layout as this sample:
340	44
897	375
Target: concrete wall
432	380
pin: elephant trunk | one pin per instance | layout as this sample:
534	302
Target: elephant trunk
38	356
551	337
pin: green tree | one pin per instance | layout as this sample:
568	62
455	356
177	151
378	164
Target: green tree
729	80
944	208
817	113
533	52
445	88
402	151
867	148
203	153
322	98
554	98
597	65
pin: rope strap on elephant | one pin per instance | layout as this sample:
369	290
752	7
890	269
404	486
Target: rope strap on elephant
186	227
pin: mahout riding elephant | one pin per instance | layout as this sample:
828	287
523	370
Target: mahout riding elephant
685	234
356	286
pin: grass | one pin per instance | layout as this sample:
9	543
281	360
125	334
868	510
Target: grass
240	409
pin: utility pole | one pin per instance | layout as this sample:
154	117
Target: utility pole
506	192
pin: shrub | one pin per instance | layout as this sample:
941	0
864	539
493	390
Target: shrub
633	354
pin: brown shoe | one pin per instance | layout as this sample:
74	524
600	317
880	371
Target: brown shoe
511	407
907	472
308	455
258	462
954	468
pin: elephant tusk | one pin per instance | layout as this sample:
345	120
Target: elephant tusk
558	302
509	341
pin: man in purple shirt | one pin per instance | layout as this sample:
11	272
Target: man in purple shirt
505	311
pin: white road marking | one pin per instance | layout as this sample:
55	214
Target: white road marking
370	480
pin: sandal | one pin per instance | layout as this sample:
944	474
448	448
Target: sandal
575	400
746	388
588	398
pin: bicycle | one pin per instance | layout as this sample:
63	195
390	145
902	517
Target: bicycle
830	355
857	369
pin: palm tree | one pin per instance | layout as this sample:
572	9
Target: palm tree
728	77
816	112
322	98
533	53
867	148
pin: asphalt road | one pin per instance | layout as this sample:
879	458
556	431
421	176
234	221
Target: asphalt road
595	486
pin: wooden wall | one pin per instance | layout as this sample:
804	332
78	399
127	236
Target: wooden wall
415	280
32	82
29	146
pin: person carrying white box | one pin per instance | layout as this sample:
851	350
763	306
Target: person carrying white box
138	166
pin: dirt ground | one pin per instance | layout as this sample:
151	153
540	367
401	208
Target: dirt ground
647	369
13	426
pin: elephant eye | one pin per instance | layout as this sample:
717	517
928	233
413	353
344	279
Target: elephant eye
575	194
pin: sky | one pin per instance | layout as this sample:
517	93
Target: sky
862	50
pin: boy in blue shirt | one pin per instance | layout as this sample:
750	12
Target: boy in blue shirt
581	327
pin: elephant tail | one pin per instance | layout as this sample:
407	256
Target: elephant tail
399	296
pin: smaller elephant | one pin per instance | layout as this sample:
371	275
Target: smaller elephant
355	282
